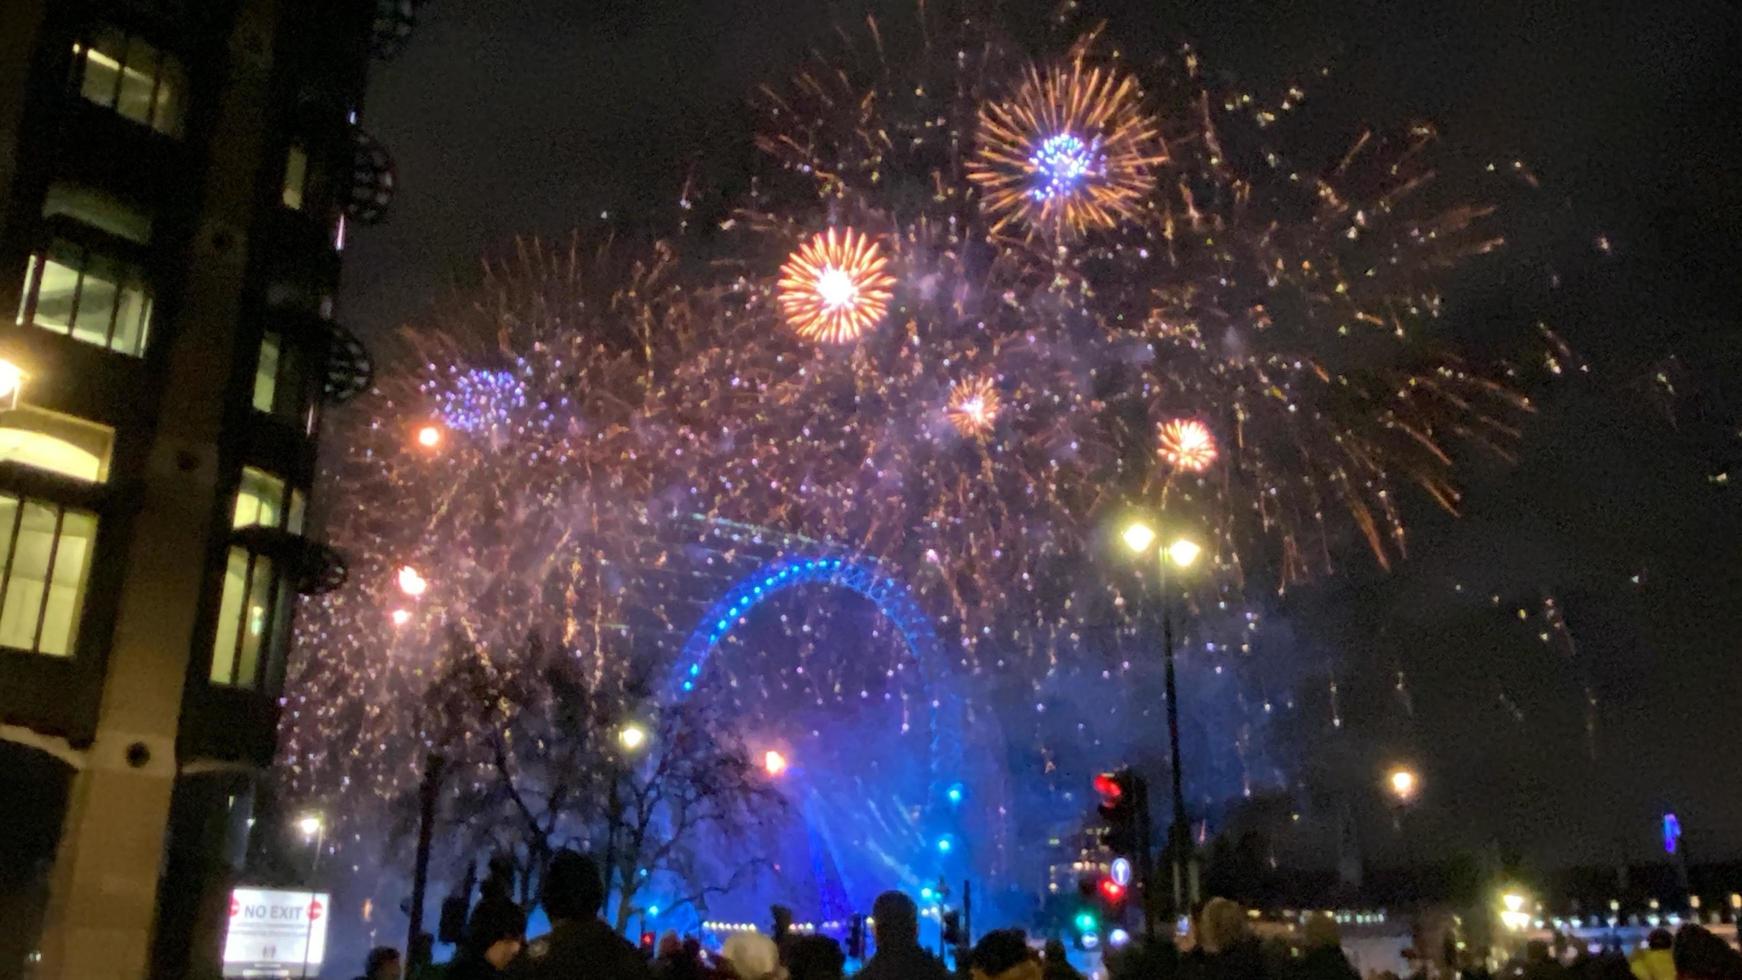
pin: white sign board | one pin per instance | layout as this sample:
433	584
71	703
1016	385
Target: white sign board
275	933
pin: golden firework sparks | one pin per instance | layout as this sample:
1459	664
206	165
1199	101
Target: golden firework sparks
834	288
1072	150
1186	444
973	408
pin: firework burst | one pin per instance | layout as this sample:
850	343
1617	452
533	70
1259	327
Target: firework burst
1186	445
973	407
1070	150
834	288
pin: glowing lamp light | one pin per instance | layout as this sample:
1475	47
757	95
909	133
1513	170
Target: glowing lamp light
946	844
927	894
773	762
1118	937
1512	913
1403	783
1183	552
310	825
11	382
956	793
1138	536
410	582
632	736
1186	445
429	436
400	617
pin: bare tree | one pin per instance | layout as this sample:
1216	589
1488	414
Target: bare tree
536	765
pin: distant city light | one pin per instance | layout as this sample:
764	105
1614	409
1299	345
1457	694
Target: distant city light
400	617
310	825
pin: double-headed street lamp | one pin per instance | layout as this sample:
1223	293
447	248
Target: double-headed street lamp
1181	553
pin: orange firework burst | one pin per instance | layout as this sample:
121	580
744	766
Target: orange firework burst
1071	150
1186	444
974	407
833	288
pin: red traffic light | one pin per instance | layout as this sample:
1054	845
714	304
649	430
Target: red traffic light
1112	891
1109	785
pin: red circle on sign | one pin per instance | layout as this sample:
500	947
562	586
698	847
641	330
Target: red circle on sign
235	906
314	909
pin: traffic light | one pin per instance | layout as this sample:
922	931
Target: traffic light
856	938
1112	892
1118	809
952	922
647	942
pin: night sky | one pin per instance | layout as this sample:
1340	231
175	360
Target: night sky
509	117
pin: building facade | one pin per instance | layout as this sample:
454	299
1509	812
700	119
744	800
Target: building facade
177	179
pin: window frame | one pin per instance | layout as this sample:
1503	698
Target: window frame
268	658
166	117
130	275
9	544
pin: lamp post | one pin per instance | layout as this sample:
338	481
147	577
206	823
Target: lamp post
632	737
1182	553
314	831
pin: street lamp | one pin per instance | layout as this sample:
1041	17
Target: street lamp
773	762
314	830
1181	553
632	736
429	437
1404	783
11	383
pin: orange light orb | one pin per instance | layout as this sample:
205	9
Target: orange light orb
834	288
429	437
773	762
1186	444
974	405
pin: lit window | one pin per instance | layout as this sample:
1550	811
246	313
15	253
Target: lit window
42	583
249	615
279	381
135	79
295	176
261	500
98	210
266	372
56	443
71	290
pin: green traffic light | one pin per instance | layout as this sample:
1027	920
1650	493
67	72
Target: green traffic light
1086	922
